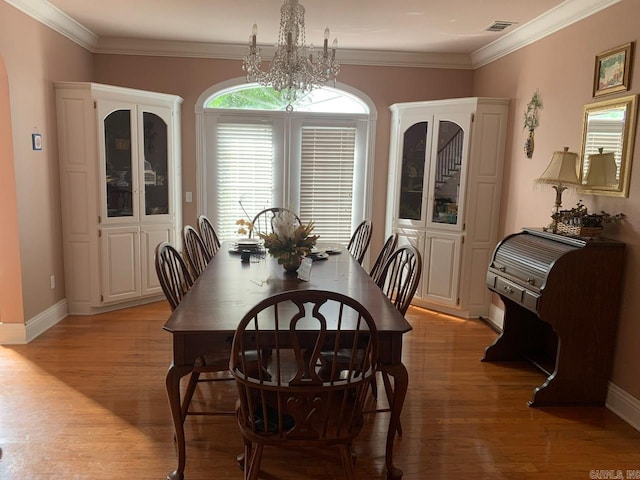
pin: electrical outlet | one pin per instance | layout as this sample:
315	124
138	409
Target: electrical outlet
52	281
189	197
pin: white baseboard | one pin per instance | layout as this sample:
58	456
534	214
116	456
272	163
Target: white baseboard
496	317
626	406
21	333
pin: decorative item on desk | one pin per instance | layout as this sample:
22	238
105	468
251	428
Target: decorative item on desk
560	173
579	222
531	122
288	242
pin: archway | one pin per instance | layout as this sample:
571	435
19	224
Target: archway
11	307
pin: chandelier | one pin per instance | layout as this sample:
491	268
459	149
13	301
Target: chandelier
295	68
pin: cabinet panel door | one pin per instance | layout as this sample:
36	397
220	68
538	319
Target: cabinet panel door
441	268
447	179
150	237
120	255
156	163
118	153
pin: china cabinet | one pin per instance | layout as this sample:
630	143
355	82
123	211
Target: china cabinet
443	195
120	177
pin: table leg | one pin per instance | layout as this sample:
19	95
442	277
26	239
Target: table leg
173	393
400	383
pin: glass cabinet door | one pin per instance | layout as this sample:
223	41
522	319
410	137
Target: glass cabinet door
118	164
448	158
155	165
414	150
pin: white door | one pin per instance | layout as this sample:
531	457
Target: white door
415	238
120	262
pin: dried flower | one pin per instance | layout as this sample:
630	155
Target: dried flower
246	227
288	239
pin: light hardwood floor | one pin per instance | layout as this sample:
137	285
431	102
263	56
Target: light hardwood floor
86	400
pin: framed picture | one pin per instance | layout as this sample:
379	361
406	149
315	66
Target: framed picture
613	70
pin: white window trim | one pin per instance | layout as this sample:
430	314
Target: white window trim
201	144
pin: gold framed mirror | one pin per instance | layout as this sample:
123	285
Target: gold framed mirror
608	131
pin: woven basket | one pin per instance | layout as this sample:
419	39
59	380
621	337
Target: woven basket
579	231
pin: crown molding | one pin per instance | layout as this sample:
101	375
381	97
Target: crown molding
57	20
563	15
131	46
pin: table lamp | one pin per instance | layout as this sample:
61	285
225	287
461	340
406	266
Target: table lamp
602	170
560	173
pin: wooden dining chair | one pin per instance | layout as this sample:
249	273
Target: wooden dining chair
399	281
173	273
195	249
387	249
208	235
176	280
359	241
288	403
263	221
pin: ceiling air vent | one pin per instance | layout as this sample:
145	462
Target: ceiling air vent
499	26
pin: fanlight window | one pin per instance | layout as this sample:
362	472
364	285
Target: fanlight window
255	97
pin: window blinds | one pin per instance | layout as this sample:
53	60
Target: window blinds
244	173
326	180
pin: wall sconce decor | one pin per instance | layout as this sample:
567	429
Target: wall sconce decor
560	173
531	122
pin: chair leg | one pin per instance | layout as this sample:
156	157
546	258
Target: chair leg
188	395
374	388
251	471
389	391
347	461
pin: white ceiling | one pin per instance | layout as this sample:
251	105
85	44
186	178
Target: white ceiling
416	28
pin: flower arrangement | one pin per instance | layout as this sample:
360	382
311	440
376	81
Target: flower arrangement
580	216
289	241
245	227
531	121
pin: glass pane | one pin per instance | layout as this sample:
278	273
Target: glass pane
447	173
255	97
156	180
411	180
117	139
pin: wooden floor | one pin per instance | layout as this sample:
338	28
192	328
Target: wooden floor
86	400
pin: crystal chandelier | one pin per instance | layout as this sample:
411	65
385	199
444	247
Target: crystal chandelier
295	69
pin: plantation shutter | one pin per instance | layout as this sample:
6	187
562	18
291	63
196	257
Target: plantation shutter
326	180
244	173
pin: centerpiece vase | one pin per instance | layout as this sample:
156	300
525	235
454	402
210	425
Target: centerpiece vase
292	264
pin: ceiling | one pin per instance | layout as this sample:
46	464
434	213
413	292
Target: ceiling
365	29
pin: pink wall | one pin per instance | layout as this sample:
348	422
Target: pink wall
189	77
10	273
34	57
561	67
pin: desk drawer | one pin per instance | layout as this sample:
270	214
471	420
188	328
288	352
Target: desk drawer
510	290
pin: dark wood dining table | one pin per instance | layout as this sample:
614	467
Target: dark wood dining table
207	318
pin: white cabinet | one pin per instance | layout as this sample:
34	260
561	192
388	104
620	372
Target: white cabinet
443	195
120	177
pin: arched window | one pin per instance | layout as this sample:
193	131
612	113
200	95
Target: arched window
313	160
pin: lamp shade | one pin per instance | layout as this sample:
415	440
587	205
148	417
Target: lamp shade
561	169
602	170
